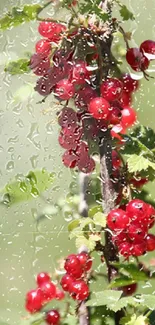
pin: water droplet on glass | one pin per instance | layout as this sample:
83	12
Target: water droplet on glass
10	166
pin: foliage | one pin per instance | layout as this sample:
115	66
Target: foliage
18	67
18	16
24	188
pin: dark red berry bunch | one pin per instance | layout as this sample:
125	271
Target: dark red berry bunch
45	292
130	228
77	151
138	58
74	281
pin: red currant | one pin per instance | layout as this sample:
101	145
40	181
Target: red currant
129	289
125	249
126	99
137	209
34	300
139	249
69	159
42	278
86	166
72	266
64	89
60	295
117	219
80	73
51	30
49	290
116	161
84	96
129	117
39	63
129	85
136	234
134	56
80	290
111	89
148	46
85	261
150	242
52	317
66	282
99	108
115	114
43	46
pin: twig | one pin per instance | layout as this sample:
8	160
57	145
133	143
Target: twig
83	313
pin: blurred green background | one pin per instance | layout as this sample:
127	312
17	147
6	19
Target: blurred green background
28	141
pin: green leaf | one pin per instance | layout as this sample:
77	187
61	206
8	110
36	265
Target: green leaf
92	211
106	297
121	282
85	222
24	188
125	13
100	219
73	224
138	163
134	320
70	320
147	300
122	303
131	270
83	241
18	67
18	16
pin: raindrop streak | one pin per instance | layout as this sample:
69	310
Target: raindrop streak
10	166
13	140
49	128
33	134
34	161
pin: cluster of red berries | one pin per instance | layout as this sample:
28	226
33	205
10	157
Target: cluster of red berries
137	57
46	291
77	151
74	281
130	228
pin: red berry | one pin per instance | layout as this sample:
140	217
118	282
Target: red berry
137	181
49	290
119	238
42	278
148	46
117	219
86	166
125	249
84	96
134	56
80	290
60	295
69	159
72	266
115	114
99	108
125	99
139	249
129	85
66	282
150	242
70	136
51	30
85	261
116	161
80	73
43	46
136	233
67	117
128	117
52	317
39	63
111	89
129	289
64	89
34	300
144	64
137	209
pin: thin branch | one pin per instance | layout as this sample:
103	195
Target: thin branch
83	313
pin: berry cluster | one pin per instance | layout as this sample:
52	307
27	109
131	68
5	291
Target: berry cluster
45	292
130	228
77	151
137	57
74	281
